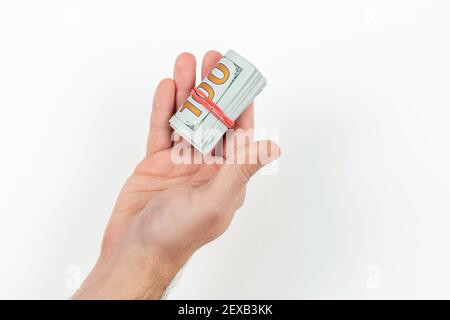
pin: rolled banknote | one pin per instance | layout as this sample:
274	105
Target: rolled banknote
217	102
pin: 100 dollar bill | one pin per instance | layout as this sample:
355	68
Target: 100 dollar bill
231	85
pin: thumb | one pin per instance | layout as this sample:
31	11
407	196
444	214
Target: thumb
239	168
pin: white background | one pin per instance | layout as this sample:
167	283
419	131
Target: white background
359	91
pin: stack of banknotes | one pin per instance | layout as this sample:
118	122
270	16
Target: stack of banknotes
232	85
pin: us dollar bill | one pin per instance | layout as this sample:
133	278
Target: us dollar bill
232	85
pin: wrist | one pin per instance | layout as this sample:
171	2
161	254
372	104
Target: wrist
127	273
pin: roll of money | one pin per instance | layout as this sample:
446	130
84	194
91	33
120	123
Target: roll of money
231	86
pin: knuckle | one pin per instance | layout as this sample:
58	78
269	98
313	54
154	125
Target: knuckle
244	174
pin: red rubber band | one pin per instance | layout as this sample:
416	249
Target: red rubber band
212	107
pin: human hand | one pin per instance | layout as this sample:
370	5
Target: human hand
166	211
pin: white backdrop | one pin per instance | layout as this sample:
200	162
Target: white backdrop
359	91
